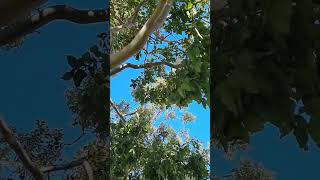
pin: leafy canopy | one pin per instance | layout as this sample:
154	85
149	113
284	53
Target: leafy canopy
182	41
265	59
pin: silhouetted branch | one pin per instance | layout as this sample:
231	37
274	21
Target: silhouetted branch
60	167
71	165
20	152
88	169
76	140
222	177
10	163
43	17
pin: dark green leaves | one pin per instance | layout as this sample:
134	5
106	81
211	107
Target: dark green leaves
79	76
91	63
67	76
279	16
267	49
72	61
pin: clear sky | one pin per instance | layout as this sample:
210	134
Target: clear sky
282	156
31	87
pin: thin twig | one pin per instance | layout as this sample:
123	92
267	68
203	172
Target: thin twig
140	66
76	140
130	114
223	177
130	22
117	111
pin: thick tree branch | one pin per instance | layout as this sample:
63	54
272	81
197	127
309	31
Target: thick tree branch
89	170
154	22
60	167
20	152
43	17
13	10
140	66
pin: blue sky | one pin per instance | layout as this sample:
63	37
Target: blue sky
282	156
31	87
120	90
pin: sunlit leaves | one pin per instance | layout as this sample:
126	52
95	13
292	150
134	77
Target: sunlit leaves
186	28
140	150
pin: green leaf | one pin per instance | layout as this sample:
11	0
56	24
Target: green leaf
67	76
86	56
72	61
229	97
187	86
279	16
181	92
78	77
189	6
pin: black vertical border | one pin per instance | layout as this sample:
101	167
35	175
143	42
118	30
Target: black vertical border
108	92
211	88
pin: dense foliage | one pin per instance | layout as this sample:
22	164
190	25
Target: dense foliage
88	100
183	41
265	66
250	170
139	150
44	146
176	72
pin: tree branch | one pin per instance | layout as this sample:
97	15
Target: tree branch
89	170
223	177
154	22
10	163
140	66
43	17
60	167
130	21
130	114
76	140
20	152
